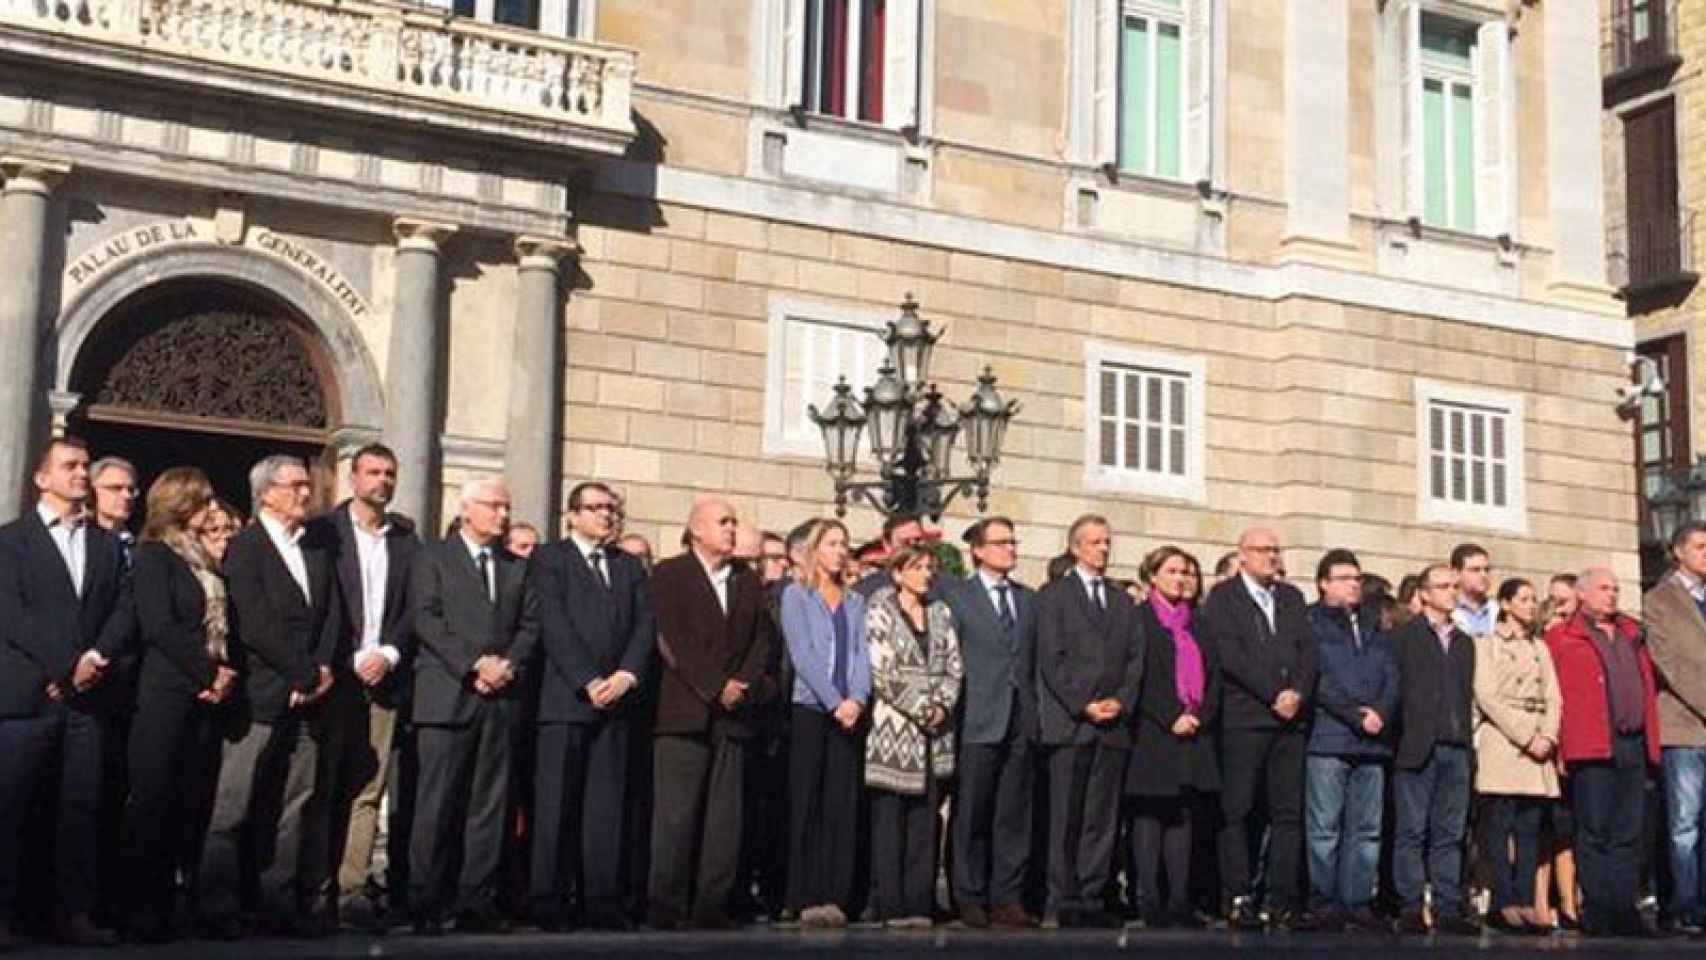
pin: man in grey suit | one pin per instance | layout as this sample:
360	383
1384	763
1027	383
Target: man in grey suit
477	621
1090	669
997	623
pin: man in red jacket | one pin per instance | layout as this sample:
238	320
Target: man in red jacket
1610	735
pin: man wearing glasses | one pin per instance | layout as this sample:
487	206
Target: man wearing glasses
1436	670
997	623
1259	624
597	635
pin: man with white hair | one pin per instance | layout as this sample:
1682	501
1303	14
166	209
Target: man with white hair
283	588
477	622
1608	739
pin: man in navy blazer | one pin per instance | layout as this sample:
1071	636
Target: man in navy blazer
597	635
65	620
1090	668
997	623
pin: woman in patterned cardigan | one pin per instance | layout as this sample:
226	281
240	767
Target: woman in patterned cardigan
915	684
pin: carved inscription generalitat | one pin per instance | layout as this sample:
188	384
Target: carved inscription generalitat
312	264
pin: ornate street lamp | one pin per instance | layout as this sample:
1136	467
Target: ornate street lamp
1680	499
912	429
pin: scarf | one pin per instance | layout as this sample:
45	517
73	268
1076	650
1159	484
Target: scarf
1187	656
215	624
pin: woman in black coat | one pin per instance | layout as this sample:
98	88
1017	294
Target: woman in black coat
184	680
1174	771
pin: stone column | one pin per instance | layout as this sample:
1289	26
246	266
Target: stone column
532	444
23	236
414	371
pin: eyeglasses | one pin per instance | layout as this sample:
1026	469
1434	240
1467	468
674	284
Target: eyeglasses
1264	549
492	504
1010	542
600	508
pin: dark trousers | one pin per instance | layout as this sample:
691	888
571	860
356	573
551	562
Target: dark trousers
695	824
1162	833
1608	809
764	836
1433	806
115	788
174	770
992	823
1507	822
65	744
580	809
402	779
641	797
267	845
1270	761
903	853
825	770
457	844
1083	823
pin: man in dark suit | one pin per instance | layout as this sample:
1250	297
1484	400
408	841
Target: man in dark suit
1090	668
1431	785
112	499
369	697
65	620
596	640
997	623
271	813
476	617
1260	627
714	638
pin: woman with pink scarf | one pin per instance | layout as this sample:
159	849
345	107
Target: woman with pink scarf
1174	773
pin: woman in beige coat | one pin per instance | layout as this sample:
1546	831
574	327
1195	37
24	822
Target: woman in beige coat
1517	708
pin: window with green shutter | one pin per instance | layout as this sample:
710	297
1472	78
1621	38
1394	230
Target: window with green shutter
1448	123
1151	91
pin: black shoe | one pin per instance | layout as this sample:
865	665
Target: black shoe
1359	920
228	928
974	916
660	918
713	920
607	916
429	927
1457	925
1242	915
485	919
1410	923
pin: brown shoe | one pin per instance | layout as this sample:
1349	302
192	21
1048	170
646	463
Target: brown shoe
79	931
1013	917
974	916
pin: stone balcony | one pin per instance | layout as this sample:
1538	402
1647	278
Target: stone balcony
381	62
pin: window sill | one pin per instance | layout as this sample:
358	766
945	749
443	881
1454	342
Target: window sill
863	159
1130	206
1444	257
1459	516
1135	483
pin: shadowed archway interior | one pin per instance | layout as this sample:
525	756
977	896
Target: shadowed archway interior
206	373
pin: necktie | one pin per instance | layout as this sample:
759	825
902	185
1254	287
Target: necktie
485	563
1005	606
597	558
1096	593
1356	637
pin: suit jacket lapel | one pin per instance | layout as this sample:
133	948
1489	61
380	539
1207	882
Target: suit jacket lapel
349	570
1675	593
50	550
396	570
471	570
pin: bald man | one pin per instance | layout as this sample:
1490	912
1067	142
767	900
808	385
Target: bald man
714	638
1608	738
1260	627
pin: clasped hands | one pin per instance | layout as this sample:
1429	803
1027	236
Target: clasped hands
491	674
605	692
1286	705
224	679
90	670
1106	710
322	683
1539	748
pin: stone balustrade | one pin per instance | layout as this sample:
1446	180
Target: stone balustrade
362	46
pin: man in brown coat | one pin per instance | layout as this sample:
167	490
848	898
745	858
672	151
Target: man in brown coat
714	639
1675	612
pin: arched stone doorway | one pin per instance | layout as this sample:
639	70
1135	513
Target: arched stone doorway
210	373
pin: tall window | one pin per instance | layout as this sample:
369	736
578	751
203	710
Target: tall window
844	58
812	345
1655	234
1470	457
1448	123
1152	92
515	13
1661	424
1145	419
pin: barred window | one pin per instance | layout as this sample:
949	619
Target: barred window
1470	457
1144	422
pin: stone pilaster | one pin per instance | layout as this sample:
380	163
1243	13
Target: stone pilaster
414	376
532	444
24	209
1317	118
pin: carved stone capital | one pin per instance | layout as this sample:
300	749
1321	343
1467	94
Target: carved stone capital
544	253
32	175
416	234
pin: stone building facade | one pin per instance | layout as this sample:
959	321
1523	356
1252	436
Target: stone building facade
1332	265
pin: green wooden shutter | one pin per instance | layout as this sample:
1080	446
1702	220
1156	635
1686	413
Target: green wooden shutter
1434	206
1462	156
1169	79
1134	95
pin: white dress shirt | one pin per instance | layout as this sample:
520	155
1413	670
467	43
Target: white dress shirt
1090	581
289	544
1264	597
994	586
587	548
373	557
71	538
719	578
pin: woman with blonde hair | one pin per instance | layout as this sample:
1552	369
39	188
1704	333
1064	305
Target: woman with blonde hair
824	624
184	679
915	685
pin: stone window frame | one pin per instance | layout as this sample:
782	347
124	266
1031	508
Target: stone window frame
786	314
778	65
1511	408
1400	73
1190	486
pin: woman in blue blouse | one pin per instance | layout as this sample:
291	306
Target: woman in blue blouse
825	627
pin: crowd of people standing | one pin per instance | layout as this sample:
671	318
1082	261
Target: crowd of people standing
204	724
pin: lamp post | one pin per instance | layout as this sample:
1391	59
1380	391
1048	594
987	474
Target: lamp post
912	429
1681	497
